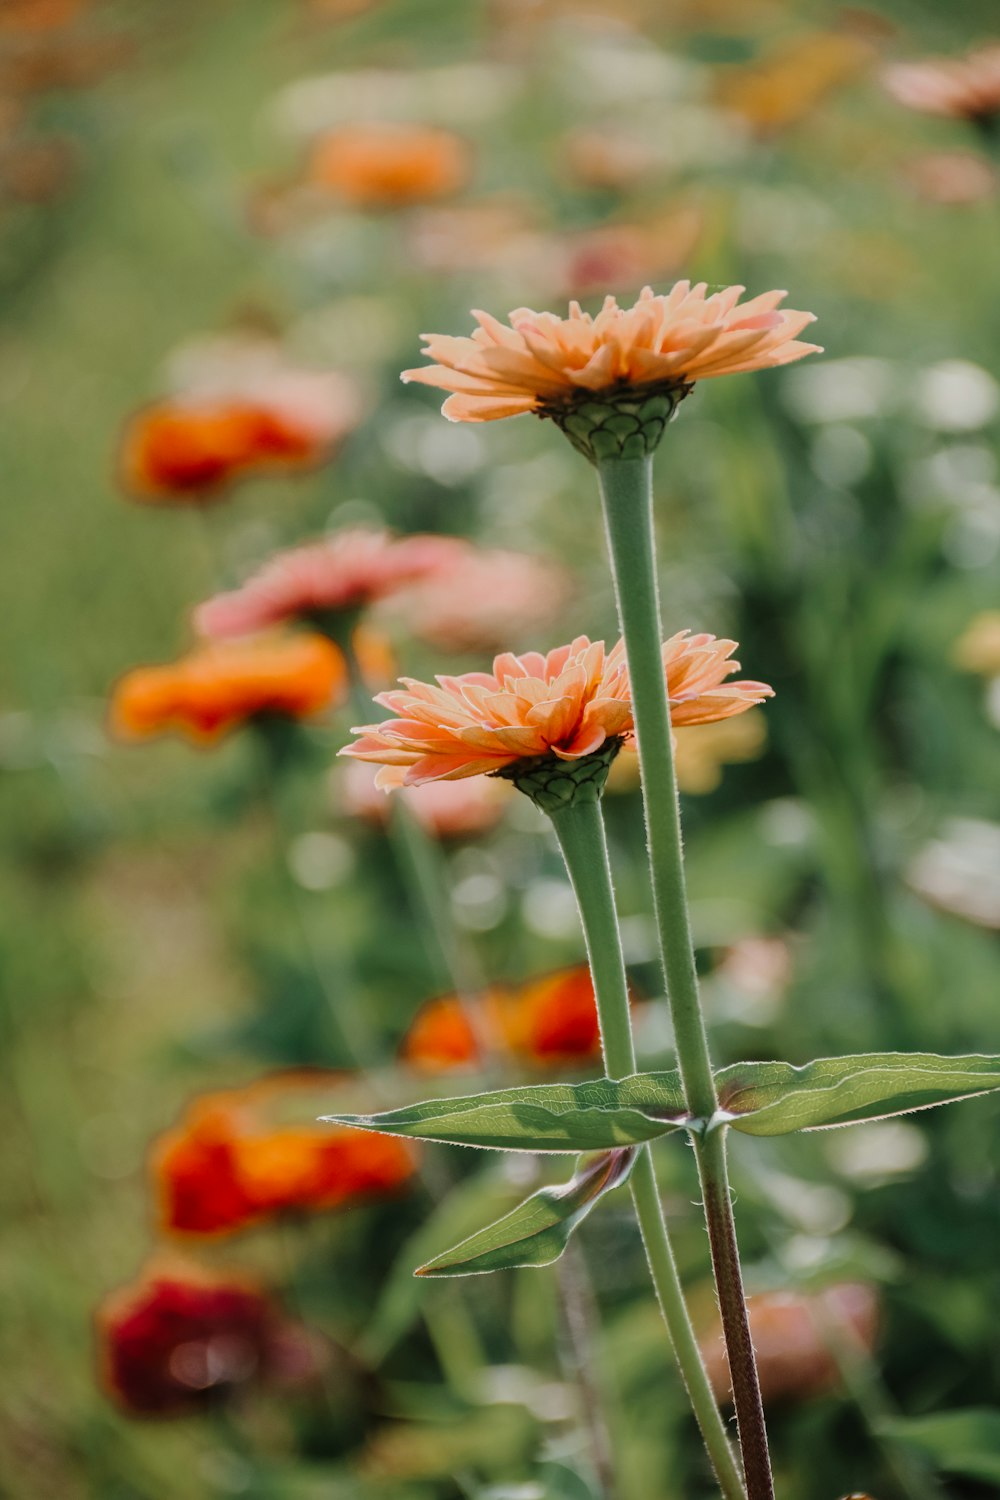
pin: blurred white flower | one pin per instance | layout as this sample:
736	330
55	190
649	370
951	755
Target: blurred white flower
841	390
959	871
956	396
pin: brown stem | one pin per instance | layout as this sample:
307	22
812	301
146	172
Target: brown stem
711	1153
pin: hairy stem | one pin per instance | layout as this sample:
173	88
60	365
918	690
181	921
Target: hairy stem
627	496
579	829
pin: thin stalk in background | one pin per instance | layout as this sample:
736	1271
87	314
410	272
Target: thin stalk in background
627	496
425	875
579	828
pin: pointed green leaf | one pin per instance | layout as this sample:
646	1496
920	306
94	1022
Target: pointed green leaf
537	1232
772	1098
596	1116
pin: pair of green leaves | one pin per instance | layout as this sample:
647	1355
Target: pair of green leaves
613	1117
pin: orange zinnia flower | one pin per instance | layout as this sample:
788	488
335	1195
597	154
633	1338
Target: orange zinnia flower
567	704
547	1021
542	362
224	1167
962	88
342	573
191	449
216	688
383	165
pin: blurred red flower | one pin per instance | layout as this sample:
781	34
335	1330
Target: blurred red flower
180	1338
547	1022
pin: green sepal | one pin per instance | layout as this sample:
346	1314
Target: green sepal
596	1116
538	1230
624	421
553	783
773	1098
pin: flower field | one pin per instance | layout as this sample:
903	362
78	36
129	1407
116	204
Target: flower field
460	865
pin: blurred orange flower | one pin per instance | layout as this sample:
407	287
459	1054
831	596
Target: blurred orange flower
180	1338
793	1335
962	88
446	809
215	688
386	165
225	1166
547	1021
566	704
191	448
542	361
784	87
343	572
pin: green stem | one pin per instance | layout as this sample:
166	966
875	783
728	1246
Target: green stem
579	829
627	496
423	869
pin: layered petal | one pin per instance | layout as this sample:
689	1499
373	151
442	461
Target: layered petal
540	360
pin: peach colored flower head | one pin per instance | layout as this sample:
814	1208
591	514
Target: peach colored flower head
390	165
446	809
962	88
541	362
216	688
567	704
344	572
469	603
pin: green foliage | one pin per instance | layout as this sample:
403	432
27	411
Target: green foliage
596	1116
775	1098
965	1443
536	1232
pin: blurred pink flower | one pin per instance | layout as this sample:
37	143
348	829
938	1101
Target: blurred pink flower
344	572
478	595
446	809
951	177
961	88
794	1335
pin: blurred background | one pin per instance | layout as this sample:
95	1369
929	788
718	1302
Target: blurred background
222	229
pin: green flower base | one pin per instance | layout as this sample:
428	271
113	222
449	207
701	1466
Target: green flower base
552	783
620	422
